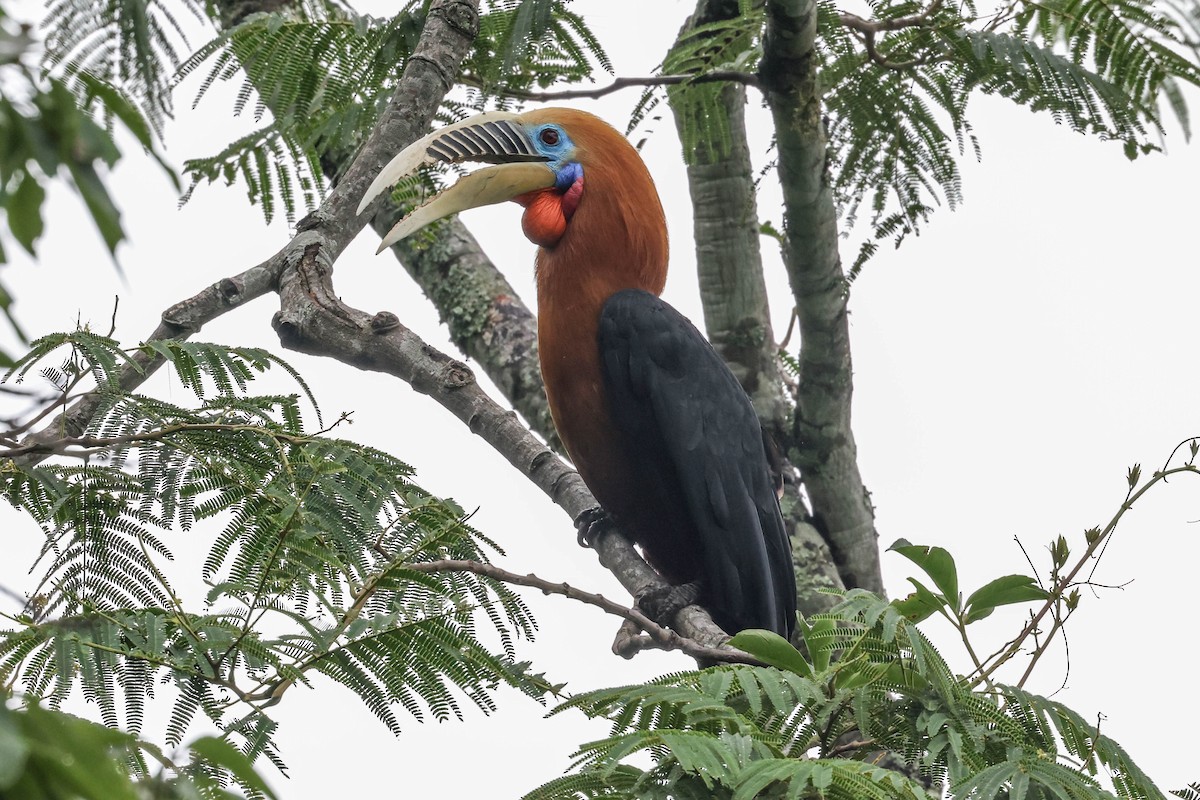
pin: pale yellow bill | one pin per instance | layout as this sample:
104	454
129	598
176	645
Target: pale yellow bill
416	155
482	188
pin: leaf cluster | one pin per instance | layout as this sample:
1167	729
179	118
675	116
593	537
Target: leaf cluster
870	710
136	45
51	755
323	75
896	90
48	130
314	554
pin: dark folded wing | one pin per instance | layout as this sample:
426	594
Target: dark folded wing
683	409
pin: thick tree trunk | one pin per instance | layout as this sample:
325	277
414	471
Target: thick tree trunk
737	315
824	448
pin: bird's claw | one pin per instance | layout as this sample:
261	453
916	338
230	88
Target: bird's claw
662	603
590	524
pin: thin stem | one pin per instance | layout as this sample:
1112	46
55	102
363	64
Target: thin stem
1063	583
718	76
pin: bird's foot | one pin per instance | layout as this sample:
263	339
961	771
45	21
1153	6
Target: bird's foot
590	524
661	604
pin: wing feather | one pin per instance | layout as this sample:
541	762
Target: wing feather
684	413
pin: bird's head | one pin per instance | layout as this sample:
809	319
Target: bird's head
542	159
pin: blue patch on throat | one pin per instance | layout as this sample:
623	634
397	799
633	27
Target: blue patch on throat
565	178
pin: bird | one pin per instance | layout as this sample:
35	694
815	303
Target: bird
658	427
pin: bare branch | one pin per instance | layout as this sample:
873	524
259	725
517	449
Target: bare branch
717	76
313	319
899	23
868	28
661	638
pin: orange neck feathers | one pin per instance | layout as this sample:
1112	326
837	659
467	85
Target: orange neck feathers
617	237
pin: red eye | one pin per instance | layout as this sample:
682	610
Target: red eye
549	137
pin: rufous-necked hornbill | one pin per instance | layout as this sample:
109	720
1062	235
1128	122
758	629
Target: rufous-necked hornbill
654	421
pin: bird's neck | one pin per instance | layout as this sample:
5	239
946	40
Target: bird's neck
616	239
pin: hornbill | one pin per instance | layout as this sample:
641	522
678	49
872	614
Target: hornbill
656	424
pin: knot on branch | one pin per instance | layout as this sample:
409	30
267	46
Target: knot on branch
459	15
315	219
230	289
457	375
287	329
384	321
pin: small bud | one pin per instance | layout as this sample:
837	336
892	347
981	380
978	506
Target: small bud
1091	534
1135	474
1072	600
1060	551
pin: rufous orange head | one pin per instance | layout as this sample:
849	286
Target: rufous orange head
586	192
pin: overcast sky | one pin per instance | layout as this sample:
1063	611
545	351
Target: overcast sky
1010	365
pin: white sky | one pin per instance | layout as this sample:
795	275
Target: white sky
1010	365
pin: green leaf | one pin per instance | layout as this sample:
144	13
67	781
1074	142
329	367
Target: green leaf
921	604
221	753
24	209
819	638
1003	591
14	750
938	565
76	755
99	204
773	649
121	107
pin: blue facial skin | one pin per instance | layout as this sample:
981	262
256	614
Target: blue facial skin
552	142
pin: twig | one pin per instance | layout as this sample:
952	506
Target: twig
1066	581
858	744
868	29
663	638
857	23
717	76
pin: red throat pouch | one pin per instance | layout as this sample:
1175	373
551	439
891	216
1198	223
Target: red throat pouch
544	221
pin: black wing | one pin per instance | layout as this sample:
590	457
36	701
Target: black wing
684	411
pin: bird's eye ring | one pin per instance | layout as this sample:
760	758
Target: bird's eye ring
549	137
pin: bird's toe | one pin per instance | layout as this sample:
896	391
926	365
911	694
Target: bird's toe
590	524
662	603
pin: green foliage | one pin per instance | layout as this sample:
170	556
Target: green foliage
885	718
732	45
325	74
531	44
132	44
320	559
46	130
897	111
324	80
50	755
895	98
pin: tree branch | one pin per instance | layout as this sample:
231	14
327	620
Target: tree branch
662	638
312	319
873	26
180	322
737	317
486	317
824	442
331	227
716	76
